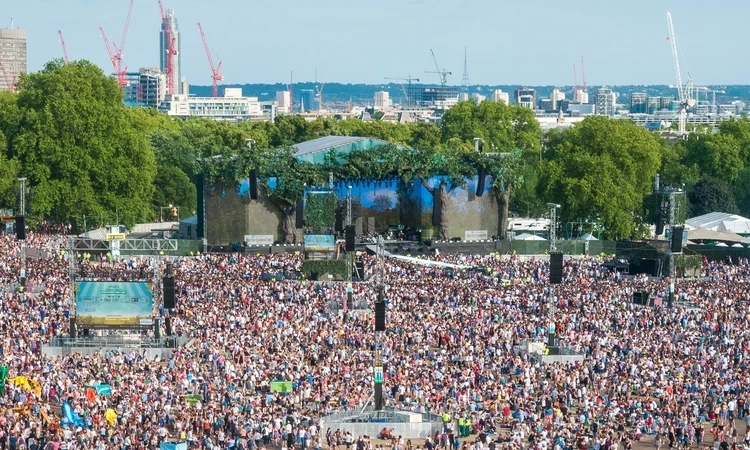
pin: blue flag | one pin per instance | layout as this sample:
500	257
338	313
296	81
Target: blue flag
70	417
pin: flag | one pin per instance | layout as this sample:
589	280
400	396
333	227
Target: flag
36	388
21	381
3	376
111	416
70	416
193	399
282	386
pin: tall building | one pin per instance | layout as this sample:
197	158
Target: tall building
638	103
174	30
605	102
555	97
13	55
382	101
284	102
499	96
526	98
147	87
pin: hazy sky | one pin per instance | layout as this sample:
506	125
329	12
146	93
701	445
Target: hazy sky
351	41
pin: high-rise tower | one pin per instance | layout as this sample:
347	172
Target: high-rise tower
174	32
12	56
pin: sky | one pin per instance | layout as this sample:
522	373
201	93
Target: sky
362	41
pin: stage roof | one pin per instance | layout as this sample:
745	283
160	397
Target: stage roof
315	151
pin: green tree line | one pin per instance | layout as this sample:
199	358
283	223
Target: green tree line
85	154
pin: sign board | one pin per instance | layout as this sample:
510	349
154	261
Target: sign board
475	235
115	236
378	375
258	239
114	304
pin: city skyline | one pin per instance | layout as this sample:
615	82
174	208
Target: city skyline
623	44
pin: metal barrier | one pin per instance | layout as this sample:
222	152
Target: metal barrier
118	342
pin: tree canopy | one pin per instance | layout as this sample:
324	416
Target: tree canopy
602	168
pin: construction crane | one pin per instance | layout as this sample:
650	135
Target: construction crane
442	72
583	75
576	94
408	79
215	70
115	53
65	49
171	49
291	91
683	92
320	97
10	82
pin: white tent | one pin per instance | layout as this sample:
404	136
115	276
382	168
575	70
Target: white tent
721	244
738	246
718	221
588	237
528	237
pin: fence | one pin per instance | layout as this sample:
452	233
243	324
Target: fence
568	247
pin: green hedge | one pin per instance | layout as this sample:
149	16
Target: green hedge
339	268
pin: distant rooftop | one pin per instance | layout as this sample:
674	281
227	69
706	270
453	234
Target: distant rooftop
314	151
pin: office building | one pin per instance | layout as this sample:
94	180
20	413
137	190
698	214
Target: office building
382	101
605	102
231	107
499	96
526	97
638	103
147	87
546	104
284	102
556	97
440	97
13	56
174	30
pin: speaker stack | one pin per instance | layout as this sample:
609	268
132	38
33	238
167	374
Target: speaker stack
555	268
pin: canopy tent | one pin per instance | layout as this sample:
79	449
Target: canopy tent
738	246
587	237
528	237
722	244
619	265
719	221
704	234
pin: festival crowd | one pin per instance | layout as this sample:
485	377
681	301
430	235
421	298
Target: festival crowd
675	377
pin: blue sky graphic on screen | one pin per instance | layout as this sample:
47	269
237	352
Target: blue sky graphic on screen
100	303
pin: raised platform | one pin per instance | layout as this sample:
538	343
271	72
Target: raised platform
368	422
91	345
549	354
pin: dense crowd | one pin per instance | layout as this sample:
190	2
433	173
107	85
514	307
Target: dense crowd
677	375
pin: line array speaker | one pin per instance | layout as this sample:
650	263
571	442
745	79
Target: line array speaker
300	216
480	181
436	206
253	185
677	239
379	316
555	268
349	234
168	292
21	228
200	189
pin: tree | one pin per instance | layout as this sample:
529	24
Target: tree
382	203
711	195
284	179
715	156
9	169
503	129
80	148
601	168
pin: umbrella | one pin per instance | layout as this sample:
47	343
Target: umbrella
587	237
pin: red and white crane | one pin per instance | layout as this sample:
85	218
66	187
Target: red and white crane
215	70
576	93
115	53
583	75
10	82
65	49
171	49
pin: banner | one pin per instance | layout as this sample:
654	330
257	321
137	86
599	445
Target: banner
113	304
193	399
282	386
173	446
111	417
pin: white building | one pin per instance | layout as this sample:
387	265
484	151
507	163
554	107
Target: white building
499	96
382	101
284	102
231	107
479	98
13	55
